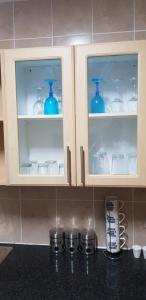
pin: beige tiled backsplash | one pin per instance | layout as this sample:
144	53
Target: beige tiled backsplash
27	213
33	23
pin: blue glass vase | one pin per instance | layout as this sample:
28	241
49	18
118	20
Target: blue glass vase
97	102
51	103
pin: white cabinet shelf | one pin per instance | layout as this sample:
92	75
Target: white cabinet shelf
112	115
40	117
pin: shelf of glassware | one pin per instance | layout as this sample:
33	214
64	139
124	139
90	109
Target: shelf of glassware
112	115
40	117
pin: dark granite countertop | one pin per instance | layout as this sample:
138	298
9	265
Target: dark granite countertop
33	273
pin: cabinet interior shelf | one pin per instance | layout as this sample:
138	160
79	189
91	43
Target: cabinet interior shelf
112	115
40	117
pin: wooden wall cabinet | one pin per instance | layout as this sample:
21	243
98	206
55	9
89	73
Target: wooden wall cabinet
111	150
98	137
41	147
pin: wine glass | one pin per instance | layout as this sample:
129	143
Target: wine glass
38	107
97	102
132	102
51	103
117	103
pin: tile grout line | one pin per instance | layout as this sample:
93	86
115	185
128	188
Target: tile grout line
94	227
14	35
134	20
69	35
52	28
20	203
92	21
133	212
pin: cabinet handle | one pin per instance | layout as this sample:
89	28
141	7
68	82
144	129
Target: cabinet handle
82	154
68	166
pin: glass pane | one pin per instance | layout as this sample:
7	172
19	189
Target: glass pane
112	106
40	117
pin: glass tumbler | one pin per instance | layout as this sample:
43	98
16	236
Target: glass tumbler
132	163
53	167
101	163
43	168
26	168
119	164
61	169
34	168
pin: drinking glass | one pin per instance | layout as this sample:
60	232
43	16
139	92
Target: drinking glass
26	168
34	168
38	108
97	102
51	103
117	103
43	168
119	164
132	102
132	163
52	167
61	169
101	163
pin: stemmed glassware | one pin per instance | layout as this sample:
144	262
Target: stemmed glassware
132	102
51	103
38	107
97	102
117	103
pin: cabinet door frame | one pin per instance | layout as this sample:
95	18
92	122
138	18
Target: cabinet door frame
81	55
67	59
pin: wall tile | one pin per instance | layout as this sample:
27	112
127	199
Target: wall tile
75	193
139	223
140	14
71	40
6	20
33	18
100	222
71	16
33	43
80	210
9	192
39	193
113	15
113	37
7	44
122	193
10	229
140	194
140	35
38	216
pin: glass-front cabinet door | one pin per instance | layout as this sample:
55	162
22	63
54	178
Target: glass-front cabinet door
39	91
111	114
